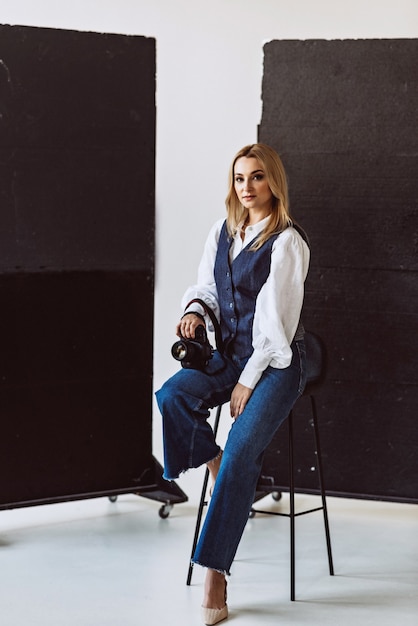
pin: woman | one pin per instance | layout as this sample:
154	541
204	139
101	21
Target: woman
252	276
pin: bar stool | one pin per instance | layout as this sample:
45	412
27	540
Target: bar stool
316	369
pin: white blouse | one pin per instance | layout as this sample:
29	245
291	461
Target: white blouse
278	304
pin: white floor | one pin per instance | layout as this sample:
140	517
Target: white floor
94	563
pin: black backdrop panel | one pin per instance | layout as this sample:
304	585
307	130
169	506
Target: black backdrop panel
344	117
76	375
77	137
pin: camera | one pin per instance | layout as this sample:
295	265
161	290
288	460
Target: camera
193	353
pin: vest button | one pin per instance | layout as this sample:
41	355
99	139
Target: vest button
231	305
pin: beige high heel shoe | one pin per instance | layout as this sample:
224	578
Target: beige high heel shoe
214	616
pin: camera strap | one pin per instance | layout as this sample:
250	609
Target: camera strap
216	326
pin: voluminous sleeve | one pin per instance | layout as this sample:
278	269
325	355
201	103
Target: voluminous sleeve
278	307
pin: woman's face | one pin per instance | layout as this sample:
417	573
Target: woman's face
251	186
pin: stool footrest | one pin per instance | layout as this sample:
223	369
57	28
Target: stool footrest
319	508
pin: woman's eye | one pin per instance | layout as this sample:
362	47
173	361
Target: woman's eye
258	177
238	179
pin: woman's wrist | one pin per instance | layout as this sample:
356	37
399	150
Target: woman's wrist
199	315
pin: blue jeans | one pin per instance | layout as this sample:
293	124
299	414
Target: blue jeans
185	400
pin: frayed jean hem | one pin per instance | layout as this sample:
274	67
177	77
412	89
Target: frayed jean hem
184	471
170	479
215	569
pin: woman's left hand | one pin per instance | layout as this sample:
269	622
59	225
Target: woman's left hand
239	398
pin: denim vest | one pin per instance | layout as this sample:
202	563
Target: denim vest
238	284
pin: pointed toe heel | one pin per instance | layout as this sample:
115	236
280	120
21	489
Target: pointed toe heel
214	616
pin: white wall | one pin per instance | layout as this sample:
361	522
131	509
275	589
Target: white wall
209	72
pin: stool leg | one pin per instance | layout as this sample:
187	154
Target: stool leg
321	485
292	508
202	502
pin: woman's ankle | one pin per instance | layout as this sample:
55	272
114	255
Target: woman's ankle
215	590
213	466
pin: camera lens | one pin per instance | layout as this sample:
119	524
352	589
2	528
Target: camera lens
179	350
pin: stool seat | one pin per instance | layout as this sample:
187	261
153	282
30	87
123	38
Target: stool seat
316	362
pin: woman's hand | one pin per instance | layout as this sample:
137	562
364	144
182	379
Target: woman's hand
239	398
187	325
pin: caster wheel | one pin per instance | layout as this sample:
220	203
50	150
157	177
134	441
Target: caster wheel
277	496
113	498
164	511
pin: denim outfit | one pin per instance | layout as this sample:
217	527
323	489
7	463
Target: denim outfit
186	398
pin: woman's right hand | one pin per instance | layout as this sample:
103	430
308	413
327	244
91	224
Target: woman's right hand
187	326
239	398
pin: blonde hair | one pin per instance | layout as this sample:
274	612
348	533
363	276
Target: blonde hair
275	173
